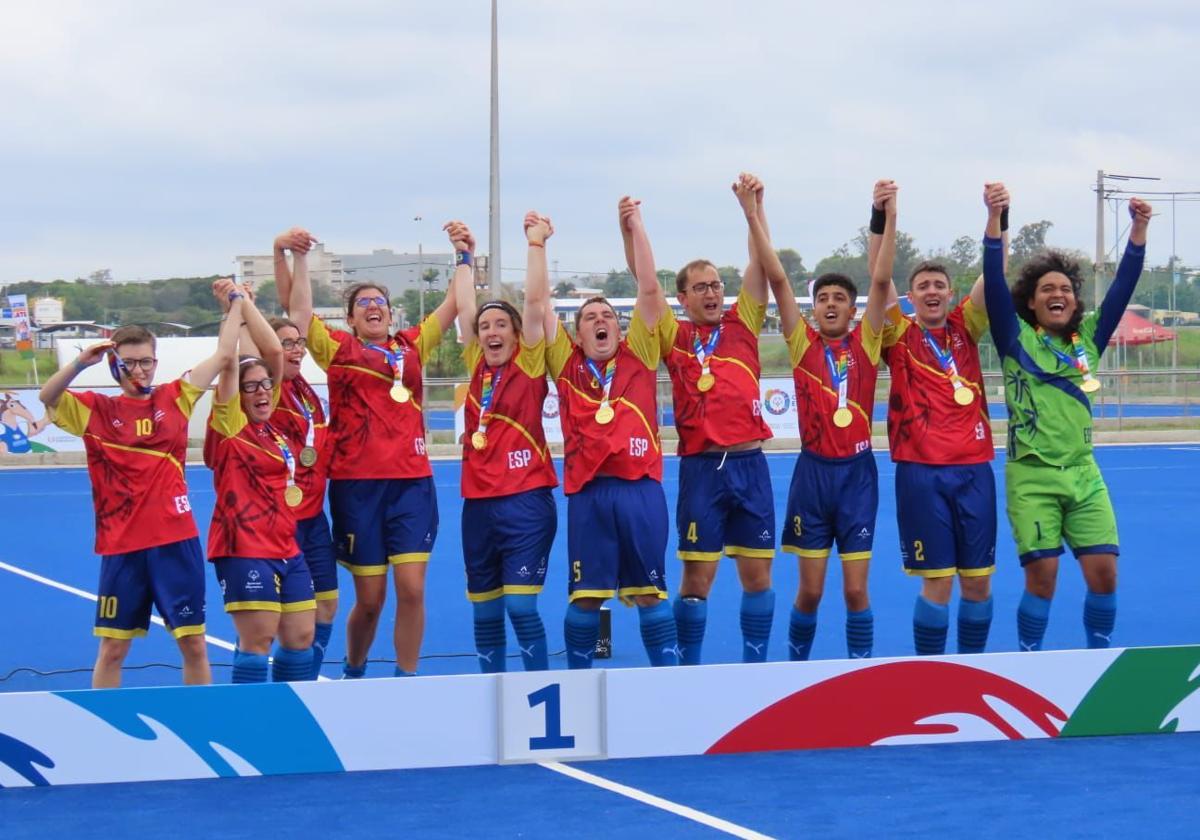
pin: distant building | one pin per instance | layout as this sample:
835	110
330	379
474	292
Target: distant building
399	272
47	311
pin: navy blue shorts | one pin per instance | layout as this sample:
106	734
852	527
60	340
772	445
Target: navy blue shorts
506	541
169	577
616	539
725	505
832	500
251	583
316	543
379	522
947	518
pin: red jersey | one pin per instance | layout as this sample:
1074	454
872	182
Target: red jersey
730	412
817	392
516	457
628	445
136	450
251	518
301	417
374	436
925	424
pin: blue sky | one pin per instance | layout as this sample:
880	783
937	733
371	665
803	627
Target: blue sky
161	139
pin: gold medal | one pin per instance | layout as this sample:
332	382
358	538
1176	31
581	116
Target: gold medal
842	418
293	495
400	394
706	381
605	414
479	440
308	456
1090	386
964	395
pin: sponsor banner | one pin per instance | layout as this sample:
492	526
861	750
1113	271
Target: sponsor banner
779	407
18	315
141	734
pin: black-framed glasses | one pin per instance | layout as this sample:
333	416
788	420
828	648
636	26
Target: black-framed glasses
293	343
366	300
704	288
146	364
257	385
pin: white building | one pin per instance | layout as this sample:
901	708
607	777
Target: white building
47	311
398	272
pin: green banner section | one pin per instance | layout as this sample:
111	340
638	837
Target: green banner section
1137	693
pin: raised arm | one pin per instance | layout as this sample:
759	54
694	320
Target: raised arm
299	242
464	275
651	303
537	279
882	289
263	341
883	188
626	238
754	280
1002	314
978	298
1118	294
224	362
764	254
300	297
464	293
53	390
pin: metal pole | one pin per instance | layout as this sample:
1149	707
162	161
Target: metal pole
494	191
1099	234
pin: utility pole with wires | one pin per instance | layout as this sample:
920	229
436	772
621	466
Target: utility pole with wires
494	189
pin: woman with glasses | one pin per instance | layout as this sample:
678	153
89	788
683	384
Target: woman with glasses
252	539
509	519
136	445
381	492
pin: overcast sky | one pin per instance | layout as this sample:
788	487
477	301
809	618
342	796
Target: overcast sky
161	139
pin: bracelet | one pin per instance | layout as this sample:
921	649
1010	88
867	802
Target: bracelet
1004	220
878	219
462	257
537	244
235	296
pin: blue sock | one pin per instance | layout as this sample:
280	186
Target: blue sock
930	624
1032	616
974	621
758	611
353	672
802	629
581	628
400	672
249	667
290	664
860	633
691	614
1099	618
531	633
320	642
490	643
658	634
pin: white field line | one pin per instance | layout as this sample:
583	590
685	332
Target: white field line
655	801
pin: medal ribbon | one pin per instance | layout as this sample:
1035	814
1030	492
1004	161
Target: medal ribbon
605	379
116	367
1078	360
945	358
839	370
703	351
306	410
487	394
395	358
286	451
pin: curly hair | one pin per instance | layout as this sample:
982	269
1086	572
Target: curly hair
1024	289
833	278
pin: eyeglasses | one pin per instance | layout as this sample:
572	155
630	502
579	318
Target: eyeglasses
146	364
705	288
292	343
260	385
364	302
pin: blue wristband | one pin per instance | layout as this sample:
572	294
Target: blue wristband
462	257
235	296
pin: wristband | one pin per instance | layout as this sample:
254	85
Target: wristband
235	296
878	219
80	367
1004	220
537	244
462	257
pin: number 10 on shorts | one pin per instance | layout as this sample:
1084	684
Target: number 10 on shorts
545	717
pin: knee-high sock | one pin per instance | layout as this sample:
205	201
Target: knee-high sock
1032	616
802	629
490	643
758	611
860	633
249	667
930	624
291	664
691	614
974	622
320	642
353	672
1099	618
581	628
658	634
531	633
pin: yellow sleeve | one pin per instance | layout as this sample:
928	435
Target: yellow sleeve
872	341
750	312
532	359
894	325
641	337
321	343
798	342
558	352
70	415
429	337
667	329
471	354
227	418
976	319
189	395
